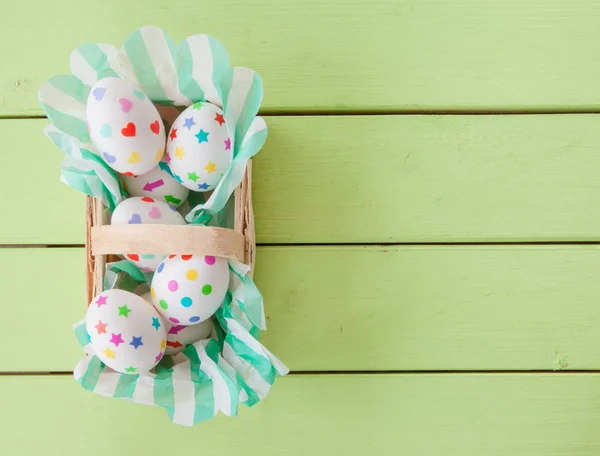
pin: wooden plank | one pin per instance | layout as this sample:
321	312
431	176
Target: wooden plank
368	179
454	415
359	308
341	56
36	207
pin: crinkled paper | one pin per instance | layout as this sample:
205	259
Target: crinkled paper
209	376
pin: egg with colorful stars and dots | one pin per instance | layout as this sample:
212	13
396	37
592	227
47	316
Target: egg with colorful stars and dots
125	331
180	336
124	126
158	184
145	210
188	289
198	147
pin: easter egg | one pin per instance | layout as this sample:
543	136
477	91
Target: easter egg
157	184
145	210
124	126
199	147
179	336
188	289
125	331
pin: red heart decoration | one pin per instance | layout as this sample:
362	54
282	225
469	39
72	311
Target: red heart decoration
129	130
155	127
186	257
147	200
133	256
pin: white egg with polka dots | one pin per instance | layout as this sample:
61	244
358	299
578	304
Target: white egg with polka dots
125	331
179	336
188	289
198	147
149	211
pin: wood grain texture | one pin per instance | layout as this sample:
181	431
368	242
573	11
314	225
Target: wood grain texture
369	179
340	56
359	308
434	415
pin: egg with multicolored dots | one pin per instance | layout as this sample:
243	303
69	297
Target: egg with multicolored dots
199	147
146	210
158	184
180	336
124	126
126	332
188	289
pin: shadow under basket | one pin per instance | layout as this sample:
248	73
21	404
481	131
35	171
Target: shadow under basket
104	242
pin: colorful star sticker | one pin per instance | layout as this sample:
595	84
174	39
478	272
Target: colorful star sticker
101	327
219	118
109	353
101	301
228	144
210	167
130	369
173	134
155	323
179	152
158	357
198	105
189	123
136	342
202	136
203	186
116	339
162	344
192	176
124	310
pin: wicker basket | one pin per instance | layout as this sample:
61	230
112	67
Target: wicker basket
103	242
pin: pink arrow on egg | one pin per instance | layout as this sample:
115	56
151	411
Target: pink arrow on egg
152	185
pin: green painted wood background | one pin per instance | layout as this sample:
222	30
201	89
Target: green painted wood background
427	214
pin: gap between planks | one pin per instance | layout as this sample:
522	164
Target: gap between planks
392	112
360	244
373	373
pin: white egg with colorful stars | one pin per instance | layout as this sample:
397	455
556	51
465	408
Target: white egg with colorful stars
180	336
158	184
188	289
144	210
124	126
125	331
199	147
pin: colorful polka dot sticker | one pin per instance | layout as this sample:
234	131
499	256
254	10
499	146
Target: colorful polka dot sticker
191	274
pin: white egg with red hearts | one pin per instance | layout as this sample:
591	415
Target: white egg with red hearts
144	210
126	332
179	336
199	149
158	184
124	126
188	289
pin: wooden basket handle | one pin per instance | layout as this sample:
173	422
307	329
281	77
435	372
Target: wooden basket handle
167	239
